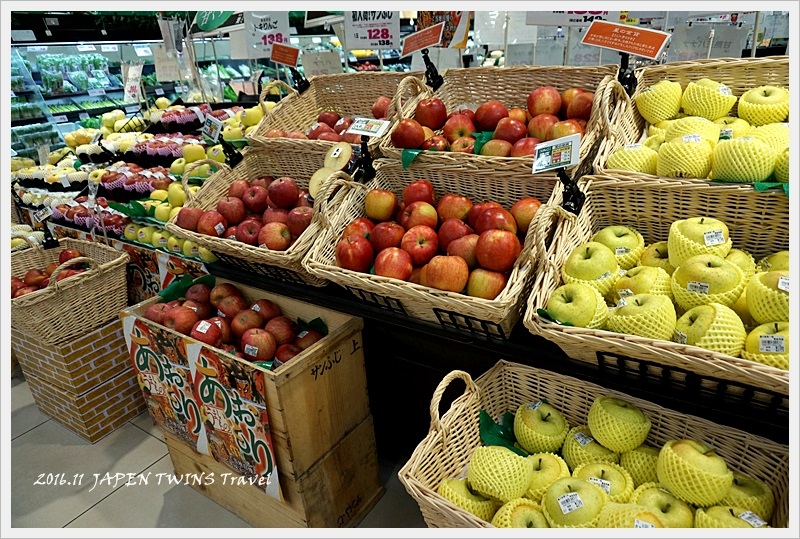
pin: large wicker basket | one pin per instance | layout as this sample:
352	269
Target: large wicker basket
73	306
348	94
490	318
758	223
739	74
511	86
446	450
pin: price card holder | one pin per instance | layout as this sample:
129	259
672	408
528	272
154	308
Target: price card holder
143	50
58	119
159	91
368	127
83	115
212	128
132	109
86	48
42	214
621	37
94	92
109	48
558	153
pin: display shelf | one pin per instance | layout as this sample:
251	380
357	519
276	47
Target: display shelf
26	121
31	94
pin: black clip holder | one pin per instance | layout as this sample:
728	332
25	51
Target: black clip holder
432	76
49	241
299	82
626	77
364	169
573	196
232	156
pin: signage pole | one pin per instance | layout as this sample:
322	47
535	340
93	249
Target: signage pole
755	35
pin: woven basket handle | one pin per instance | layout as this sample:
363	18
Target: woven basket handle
27	239
265	90
77	260
332	193
615	101
540	225
472	389
193	165
408	88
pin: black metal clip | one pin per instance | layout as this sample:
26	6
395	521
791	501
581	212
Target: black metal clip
573	196
232	156
432	76
364	169
299	82
49	241
626	77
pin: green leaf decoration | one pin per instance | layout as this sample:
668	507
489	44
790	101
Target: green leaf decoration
264	364
481	139
547	316
408	157
499	434
130	209
178	288
316	324
763	186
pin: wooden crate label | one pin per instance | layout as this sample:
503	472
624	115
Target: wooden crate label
334	358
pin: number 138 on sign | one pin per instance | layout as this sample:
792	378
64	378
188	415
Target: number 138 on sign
269	39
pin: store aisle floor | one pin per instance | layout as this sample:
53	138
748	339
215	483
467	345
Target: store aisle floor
40	445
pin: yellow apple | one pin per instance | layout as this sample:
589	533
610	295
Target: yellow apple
176	195
206	255
162	212
160	239
175	245
193	152
216	153
252	115
174	211
190	249
233	133
162	102
178	166
159	194
145	234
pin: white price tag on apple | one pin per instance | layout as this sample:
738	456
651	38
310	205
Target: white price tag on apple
212	128
94	92
570	502
606	275
625	292
633	146
369	127
561	152
203	326
692	138
771	344
783	284
583	439
534	405
641	524
251	350
714	237
621	303
724	90
220	228
697	287
726	133
679	337
753	519
620	251
602	483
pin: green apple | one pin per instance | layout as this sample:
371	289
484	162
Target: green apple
459	493
657	256
769	344
707	98
737	126
674	513
145	234
693	472
751	494
547	468
647	315
764	105
782	166
594	264
775	135
695	236
202	171
740	308
216	153
159	195
162	212
190	249
178	166
612	478
641	464
635	158
628	515
617	424
540	428
704	279
714	327
175	245
206	255
744	260
174	211
578	304
727	516
176	196
580	448
643	280
743	160
626	243
768	296
193	152
774	262
131	232
520	513
573	503
660	101
499	473
160	239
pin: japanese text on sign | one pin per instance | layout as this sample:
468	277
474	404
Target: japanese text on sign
562	152
132	81
263	30
321	63
623	38
284	54
372	29
569	18
212	128
369	127
417	41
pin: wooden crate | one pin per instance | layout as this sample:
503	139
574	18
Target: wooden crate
78	365
95	413
337	491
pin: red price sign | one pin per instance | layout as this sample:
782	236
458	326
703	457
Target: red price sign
624	38
423	39
285	54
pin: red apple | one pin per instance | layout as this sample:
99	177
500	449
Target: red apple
489	114
275	215
232	209
157	312
207	332
303	200
16	285
247	231
414	278
330	137
354	253
181	319
581	106
328	117
360	226
564	129
298	220
380	204
212	223
453	206
263	181
255	199
188	218
510	130
202	309
244	320
497	250
523	211
296	135
431	113
582	123
34	277
222	291
275	133
463	145
385	235
421	190
224	327
258	345
465	248
496	148
394	262
343	125
230	306
566	98
544	100
421	243
408	134
485	284
524	146
420	213
447	273
283	192
199	292
317	129
469	113
518	114
25	290
174	303
436	142
478	209
306	339
68	254
495	219
283	329
230	233
457	126
540	125
352	138
275	236
450	230
286	352
381	106
266	308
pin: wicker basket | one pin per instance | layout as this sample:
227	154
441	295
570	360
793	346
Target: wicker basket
73	306
490	318
446	449
739	74
511	87
348	94
758	223
258	161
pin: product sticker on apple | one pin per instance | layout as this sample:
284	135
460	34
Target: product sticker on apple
203	326
619	251
692	138
570	502
621	303
622	273
783	284
713	237
625	292
602	483
604	276
679	337
633	146
724	90
251	350
641	524
220	313
753	519
726	134
771	344
697	287
583	439
64	180
220	228
534	405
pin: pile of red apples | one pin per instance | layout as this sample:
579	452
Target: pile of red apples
221	317
453	244
265	212
515	132
38	279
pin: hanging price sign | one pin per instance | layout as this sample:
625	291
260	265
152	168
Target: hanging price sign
621	37
372	29
133	79
561	152
429	37
284	54
263	30
212	128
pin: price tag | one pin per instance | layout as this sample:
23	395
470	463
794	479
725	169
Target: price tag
679	337
109	48
429	37
284	54
625	292
621	37
561	152
59	119
167	68
203	326
714	237
534	405
619	251
375	30
606	275
220	228
132	108
641	524
133	79
698	287
633	146
212	128
783	284
251	350
86	48
83	115
37	48
143	50
568	18
64	180
263	29
94	92
570	502
184	88
159	91
43	214
519	54
621	303
602	483
369	127
321	63
753	519
692	138
583	439
771	344
724	90
726	133
43	152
